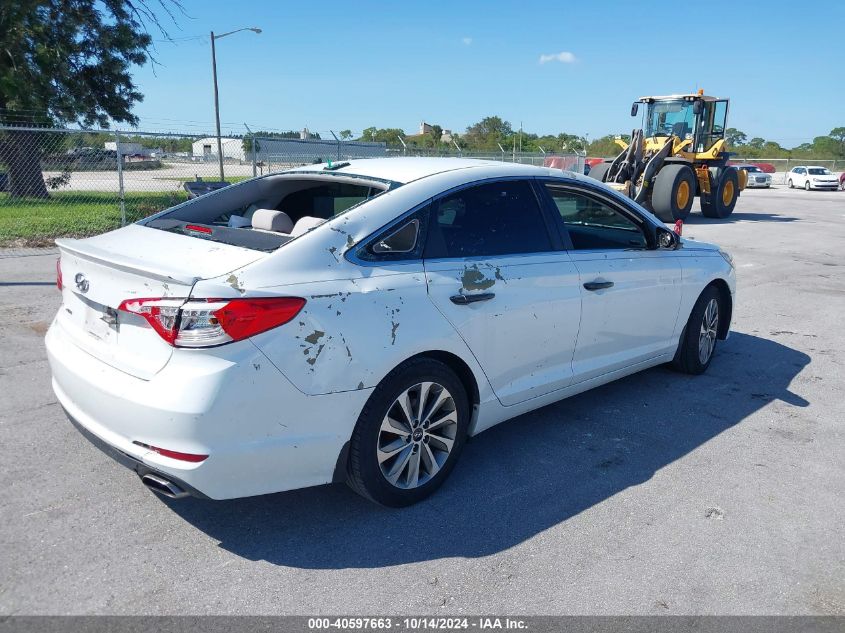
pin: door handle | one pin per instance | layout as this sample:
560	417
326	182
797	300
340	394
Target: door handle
463	300
598	285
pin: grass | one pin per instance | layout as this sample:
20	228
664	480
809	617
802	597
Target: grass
37	222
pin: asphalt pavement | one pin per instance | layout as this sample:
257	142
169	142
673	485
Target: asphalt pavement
658	494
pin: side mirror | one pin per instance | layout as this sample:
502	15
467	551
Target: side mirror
698	107
668	240
635	107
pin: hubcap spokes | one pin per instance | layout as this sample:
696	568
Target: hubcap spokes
416	435
709	331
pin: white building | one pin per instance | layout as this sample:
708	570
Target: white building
445	136
207	147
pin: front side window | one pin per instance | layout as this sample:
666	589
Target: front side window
670	117
594	225
500	218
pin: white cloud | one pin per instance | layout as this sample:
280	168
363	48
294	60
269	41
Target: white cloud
466	40
564	57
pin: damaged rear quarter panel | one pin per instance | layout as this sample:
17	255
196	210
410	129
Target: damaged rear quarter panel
352	333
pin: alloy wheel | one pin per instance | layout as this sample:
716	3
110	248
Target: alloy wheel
709	331
417	435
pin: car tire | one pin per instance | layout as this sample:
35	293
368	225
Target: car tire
806	185
691	357
791	186
421	456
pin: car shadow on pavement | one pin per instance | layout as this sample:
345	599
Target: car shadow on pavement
519	478
697	218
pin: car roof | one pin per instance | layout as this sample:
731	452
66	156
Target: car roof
404	170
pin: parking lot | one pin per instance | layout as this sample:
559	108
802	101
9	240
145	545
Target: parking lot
658	494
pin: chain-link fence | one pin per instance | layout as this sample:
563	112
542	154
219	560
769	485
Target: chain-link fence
63	182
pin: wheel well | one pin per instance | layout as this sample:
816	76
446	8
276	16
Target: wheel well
727	303
457	365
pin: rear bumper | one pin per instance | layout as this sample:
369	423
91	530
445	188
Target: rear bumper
261	434
128	461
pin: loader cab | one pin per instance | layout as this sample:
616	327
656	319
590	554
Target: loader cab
695	117
711	125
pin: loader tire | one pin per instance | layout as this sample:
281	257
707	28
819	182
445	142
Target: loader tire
599	171
724	193
674	190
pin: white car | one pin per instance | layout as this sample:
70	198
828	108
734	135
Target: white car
756	176
358	321
812	177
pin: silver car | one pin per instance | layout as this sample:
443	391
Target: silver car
756	176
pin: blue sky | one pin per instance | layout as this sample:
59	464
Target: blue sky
555	66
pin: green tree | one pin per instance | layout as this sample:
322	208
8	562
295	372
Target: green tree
386	135
756	143
827	147
838	135
735	137
436	134
67	61
487	133
605	146
345	135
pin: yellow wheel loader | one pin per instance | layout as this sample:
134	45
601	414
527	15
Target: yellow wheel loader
677	154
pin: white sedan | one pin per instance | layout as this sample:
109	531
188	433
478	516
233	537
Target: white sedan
812	177
358	321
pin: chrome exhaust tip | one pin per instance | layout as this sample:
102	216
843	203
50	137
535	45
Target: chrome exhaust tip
163	486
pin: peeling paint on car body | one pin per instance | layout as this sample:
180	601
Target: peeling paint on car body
474	279
315	336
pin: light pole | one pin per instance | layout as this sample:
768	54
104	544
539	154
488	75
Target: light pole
216	99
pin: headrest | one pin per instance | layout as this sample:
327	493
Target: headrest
271	220
305	224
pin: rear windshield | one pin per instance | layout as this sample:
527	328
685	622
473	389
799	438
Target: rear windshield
265	213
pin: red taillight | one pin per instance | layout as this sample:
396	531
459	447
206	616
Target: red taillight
242	318
59	283
185	457
160	313
205	323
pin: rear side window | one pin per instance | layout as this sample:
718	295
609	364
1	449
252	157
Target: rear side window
500	218
592	224
401	242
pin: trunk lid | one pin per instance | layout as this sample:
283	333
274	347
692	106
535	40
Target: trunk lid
135	262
